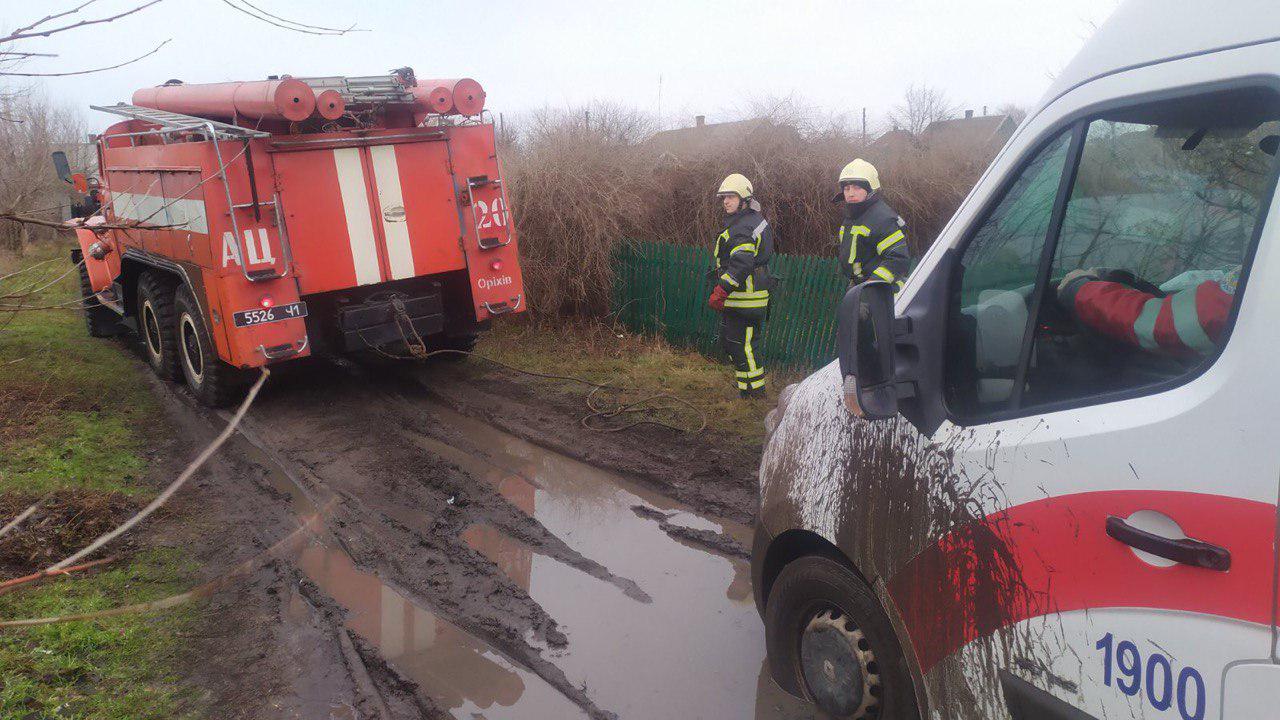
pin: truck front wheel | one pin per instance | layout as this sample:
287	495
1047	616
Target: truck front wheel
829	640
156	323
212	381
100	320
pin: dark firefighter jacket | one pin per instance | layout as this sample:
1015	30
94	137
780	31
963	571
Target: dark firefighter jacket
742	255
872	243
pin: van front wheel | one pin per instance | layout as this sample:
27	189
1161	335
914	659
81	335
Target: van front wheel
829	639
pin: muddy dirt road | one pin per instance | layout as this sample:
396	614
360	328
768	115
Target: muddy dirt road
461	571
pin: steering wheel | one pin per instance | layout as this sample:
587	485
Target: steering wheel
1128	279
1055	319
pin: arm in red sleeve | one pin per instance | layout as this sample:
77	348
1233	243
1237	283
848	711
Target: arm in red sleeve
1190	321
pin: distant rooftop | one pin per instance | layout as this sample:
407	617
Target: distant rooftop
968	133
707	138
977	131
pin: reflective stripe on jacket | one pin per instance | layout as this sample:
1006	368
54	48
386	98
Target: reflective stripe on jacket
873	243
742	253
1187	322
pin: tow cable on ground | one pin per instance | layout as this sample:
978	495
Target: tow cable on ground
418	351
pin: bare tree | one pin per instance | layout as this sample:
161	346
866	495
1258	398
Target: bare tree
27	180
1015	111
809	119
921	106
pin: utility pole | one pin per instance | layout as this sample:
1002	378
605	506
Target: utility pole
864	125
659	101
587	114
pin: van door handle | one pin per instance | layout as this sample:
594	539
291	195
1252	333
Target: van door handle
1184	550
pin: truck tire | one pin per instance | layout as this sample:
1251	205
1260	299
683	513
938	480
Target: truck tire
101	321
157	323
212	381
829	640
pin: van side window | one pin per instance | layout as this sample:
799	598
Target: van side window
1164	204
998	273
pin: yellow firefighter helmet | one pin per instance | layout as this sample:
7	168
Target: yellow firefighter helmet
860	170
736	184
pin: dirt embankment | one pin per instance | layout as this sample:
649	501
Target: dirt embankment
711	471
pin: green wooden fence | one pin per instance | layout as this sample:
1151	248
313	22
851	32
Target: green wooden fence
662	289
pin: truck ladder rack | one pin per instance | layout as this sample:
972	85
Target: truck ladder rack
177	122
368	90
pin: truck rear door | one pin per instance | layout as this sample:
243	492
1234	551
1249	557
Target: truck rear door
367	210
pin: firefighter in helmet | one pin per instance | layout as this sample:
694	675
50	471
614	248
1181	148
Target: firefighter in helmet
872	244
742	281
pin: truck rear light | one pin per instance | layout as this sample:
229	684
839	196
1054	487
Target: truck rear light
496	265
266	301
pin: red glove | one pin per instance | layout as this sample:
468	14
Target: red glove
716	301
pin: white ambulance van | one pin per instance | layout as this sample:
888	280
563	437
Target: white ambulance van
1041	482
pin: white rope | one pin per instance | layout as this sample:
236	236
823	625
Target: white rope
21	516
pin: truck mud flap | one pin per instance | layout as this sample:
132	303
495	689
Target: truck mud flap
374	323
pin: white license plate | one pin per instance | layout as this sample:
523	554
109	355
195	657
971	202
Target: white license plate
258	316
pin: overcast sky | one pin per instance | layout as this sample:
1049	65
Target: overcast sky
712	58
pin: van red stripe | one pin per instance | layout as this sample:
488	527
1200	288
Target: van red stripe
954	593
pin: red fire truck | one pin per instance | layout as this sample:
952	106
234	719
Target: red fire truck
245	224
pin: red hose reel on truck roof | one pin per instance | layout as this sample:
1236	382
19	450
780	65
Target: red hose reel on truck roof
299	99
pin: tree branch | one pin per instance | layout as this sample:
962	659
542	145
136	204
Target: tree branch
88	72
335	31
50	18
14	217
281	25
28	33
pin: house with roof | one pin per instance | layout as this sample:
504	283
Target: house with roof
705	138
980	133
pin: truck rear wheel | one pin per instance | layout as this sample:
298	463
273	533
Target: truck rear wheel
157	324
212	381
829	640
101	321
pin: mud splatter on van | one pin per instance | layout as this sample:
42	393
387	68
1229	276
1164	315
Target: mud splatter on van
915	514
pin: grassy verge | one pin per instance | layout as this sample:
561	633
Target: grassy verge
74	418
599	353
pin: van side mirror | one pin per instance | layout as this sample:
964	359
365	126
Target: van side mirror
63	167
865	335
894	365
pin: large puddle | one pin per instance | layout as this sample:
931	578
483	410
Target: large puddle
695	651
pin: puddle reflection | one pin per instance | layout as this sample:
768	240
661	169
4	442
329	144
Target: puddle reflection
455	669
696	652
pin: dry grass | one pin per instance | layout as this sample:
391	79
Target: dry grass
579	189
595	351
